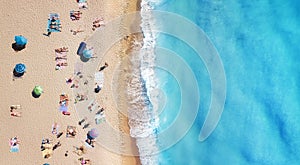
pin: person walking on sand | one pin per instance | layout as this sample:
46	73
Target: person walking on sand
97	88
103	67
58	144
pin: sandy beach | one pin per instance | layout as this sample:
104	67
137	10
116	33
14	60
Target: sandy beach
29	18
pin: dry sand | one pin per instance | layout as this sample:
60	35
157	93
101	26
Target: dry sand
29	18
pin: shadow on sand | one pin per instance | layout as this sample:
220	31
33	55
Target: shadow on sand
17	47
34	95
16	74
83	59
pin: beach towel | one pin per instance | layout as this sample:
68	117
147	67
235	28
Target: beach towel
14	146
55	128
99	78
99	118
54	20
60	58
63	108
47	152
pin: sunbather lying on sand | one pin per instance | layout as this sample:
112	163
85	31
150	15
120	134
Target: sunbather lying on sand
61	58
55	128
59	65
71	132
84	161
82	97
76	31
14	141
98	23
90	142
75	15
63	49
62	64
80	150
14	112
55	27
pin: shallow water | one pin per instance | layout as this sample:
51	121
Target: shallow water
258	45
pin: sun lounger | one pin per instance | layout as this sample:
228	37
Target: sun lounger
53	23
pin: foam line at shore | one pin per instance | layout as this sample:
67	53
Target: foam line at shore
143	121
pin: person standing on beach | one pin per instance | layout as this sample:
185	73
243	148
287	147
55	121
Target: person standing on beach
103	67
97	89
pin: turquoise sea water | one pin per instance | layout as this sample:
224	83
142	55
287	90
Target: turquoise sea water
258	43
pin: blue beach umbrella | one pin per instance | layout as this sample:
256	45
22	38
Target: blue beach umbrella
20	40
87	53
20	68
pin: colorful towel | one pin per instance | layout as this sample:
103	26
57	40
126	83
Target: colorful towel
60	58
54	20
14	148
99	118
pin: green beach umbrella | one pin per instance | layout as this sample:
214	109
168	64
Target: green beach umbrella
38	90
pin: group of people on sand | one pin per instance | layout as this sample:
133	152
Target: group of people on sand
14	141
14	111
98	23
63	49
61	58
75	15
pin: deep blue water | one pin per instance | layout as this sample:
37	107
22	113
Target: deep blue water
259	45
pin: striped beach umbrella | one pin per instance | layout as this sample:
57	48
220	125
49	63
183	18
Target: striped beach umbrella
87	53
20	68
20	40
38	90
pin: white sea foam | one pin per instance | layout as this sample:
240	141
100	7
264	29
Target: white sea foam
143	121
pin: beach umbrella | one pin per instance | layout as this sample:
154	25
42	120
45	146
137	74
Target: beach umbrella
20	68
38	90
20	40
93	133
87	53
